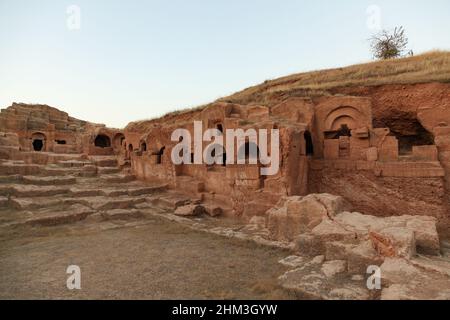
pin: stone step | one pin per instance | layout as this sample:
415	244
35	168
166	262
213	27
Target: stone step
171	201
14	168
86	171
73	214
105	161
74	163
33	204
144	190
49	180
117	178
133	191
26	191
121	214
106	203
79	191
17	178
108	170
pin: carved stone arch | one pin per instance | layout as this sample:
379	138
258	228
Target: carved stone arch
344	115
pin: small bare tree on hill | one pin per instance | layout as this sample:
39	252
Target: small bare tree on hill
389	45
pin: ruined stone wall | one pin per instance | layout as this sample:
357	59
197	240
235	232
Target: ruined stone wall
349	145
41	128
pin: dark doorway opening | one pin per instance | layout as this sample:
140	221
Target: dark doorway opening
159	155
221	154
309	144
249	150
102	141
143	147
343	131
38	144
117	141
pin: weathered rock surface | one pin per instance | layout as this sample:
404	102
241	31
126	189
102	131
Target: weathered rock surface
350	243
404	281
191	210
295	215
121	214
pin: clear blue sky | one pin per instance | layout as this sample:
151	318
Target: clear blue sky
135	59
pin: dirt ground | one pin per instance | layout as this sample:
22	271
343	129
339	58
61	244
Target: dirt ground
157	260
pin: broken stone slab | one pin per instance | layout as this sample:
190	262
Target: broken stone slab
144	205
278	226
121	214
423	227
361	257
336	250
333	204
94	218
309	245
190	210
49	181
296	215
397	270
317	260
404	281
439	265
212	210
425	233
73	214
306	213
171	202
360	223
292	261
309	282
328	230
334	267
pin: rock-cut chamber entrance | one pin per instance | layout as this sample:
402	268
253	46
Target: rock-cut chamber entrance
102	141
38	142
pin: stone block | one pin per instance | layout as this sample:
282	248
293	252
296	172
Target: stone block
425	153
372	154
331	149
389	149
